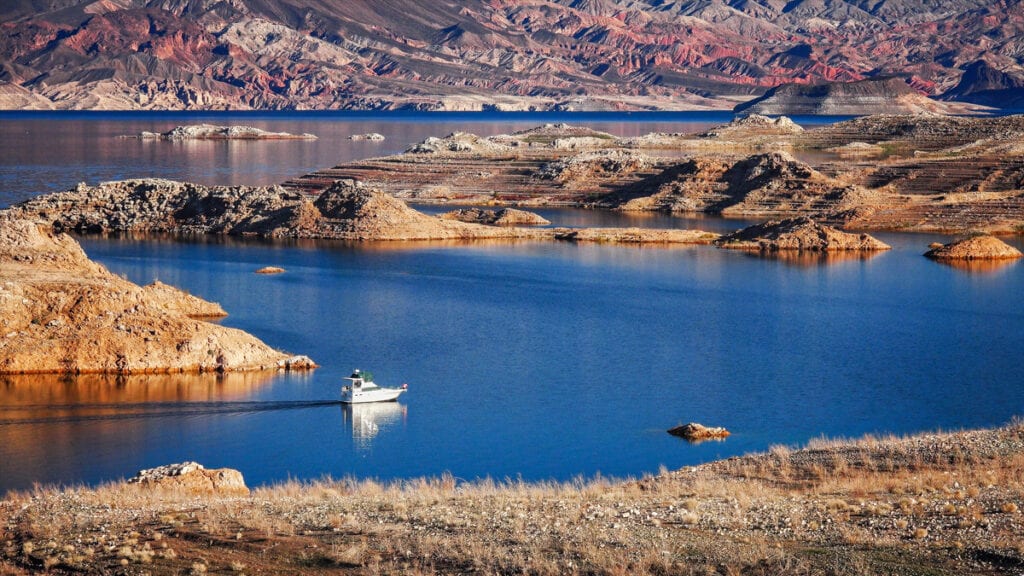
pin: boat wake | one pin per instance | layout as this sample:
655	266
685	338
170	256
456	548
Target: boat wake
62	413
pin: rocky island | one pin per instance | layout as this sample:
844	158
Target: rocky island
798	234
979	247
212	132
62	313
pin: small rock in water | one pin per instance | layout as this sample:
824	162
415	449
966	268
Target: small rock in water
695	432
270	270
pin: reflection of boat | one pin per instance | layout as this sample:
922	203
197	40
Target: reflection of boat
367	419
363	389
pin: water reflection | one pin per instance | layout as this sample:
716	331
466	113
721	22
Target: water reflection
804	259
56	390
979	266
366	420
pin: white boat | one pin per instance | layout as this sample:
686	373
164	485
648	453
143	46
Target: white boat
361	388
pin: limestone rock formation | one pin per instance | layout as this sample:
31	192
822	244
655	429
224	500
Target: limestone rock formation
758	185
753	125
695	432
982	247
62	313
500	217
458	143
801	234
193	478
212	132
586	166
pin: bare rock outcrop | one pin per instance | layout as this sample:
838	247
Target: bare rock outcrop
193	478
754	125
500	217
759	185
982	247
596	163
457	143
802	234
213	132
368	137
270	270
62	313
695	432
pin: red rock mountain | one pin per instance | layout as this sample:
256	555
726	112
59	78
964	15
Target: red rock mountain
473	54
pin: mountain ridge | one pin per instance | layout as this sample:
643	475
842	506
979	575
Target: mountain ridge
481	54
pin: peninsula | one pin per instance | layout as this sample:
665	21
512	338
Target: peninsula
62	313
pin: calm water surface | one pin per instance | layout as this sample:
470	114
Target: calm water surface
47	152
533	360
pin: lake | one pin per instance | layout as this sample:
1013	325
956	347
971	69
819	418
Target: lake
529	360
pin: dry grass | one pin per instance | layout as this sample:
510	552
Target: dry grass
940	503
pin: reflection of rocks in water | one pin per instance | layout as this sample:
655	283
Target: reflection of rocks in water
55	389
811	259
979	266
366	420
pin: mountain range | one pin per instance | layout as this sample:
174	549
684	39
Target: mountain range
493	54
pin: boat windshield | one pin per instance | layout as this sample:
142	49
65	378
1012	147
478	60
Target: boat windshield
366	376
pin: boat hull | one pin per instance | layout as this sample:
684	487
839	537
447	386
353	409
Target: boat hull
376	395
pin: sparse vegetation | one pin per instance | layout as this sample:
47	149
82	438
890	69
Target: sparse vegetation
935	504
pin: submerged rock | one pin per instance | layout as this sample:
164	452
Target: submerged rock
635	235
982	247
192	477
695	432
798	234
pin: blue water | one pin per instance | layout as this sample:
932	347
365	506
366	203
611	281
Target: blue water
542	360
531	359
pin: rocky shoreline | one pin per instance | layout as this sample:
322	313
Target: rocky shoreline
933	503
